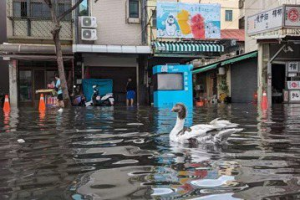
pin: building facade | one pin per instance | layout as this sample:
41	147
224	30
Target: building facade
30	49
4	86
116	49
278	47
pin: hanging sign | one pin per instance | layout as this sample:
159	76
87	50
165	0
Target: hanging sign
293	84
264	21
292	67
294	95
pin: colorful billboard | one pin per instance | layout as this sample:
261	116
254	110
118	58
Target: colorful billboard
182	20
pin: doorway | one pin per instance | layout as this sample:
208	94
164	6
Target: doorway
278	82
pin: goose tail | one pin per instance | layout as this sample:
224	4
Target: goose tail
221	124
223	135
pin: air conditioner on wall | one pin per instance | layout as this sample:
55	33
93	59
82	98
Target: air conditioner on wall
88	22
89	34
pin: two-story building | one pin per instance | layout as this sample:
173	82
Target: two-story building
30	50
109	44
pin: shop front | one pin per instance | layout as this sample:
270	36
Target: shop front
229	80
37	75
276	33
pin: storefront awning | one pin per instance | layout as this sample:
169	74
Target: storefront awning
240	58
187	47
207	68
225	62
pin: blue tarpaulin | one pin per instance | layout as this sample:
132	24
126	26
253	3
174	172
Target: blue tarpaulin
104	86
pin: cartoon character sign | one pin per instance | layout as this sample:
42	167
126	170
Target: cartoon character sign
182	20
168	26
171	25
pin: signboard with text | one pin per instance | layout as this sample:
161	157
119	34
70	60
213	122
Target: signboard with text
292	16
286	16
267	20
293	84
292	66
185	20
294	95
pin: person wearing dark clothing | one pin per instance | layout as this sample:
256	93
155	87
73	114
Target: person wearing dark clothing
130	89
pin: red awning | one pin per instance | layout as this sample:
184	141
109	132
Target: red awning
238	34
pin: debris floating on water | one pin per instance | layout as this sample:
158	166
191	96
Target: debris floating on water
21	141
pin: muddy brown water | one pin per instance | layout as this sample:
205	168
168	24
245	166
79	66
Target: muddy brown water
124	153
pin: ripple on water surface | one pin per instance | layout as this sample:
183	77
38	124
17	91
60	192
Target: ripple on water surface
124	153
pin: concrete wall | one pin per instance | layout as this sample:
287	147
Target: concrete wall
112	27
3	64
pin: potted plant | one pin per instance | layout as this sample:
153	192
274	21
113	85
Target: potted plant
224	88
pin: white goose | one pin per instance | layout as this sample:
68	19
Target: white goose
216	132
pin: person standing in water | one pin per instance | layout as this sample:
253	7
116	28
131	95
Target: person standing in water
60	98
130	89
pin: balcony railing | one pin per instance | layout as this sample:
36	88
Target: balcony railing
32	19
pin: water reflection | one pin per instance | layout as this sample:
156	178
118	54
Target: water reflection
124	153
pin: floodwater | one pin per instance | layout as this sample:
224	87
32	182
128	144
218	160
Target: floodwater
121	153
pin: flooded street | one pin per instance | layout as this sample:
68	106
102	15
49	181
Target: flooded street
124	153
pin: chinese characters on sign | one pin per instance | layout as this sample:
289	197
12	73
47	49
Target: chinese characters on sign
184	20
267	20
293	84
292	66
286	16
292	17
295	95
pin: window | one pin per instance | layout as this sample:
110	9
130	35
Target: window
20	9
168	82
228	15
83	8
154	18
25	86
62	7
134	11
40	10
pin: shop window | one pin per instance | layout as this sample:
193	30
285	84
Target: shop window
228	15
168	82
83	8
25	86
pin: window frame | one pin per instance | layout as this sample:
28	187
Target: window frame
138	9
133	19
156	79
228	15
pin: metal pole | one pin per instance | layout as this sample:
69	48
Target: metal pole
137	84
269	73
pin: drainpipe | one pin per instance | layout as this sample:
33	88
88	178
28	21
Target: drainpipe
144	21
269	73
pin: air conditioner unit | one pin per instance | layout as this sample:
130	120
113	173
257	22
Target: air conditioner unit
88	22
89	34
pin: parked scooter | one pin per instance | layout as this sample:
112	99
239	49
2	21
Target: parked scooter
97	100
77	98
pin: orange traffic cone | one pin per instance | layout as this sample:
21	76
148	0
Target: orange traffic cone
264	102
6	107
42	105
